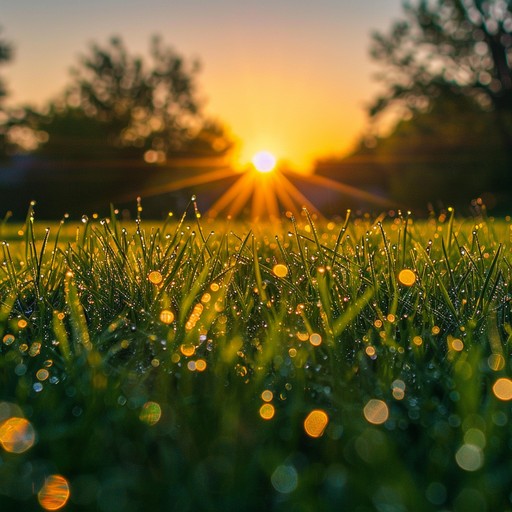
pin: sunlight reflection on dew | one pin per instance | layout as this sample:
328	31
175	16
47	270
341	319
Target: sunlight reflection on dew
456	344
370	351
280	270
187	349
8	339
407	277
17	435
502	389
155	277
267	411
201	365
55	493
302	336
166	316
418	341
35	349
267	395
42	374
376	411
315	423
315	339
151	413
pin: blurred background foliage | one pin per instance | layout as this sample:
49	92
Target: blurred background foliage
439	132
122	123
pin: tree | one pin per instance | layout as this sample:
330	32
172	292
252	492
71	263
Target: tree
5	56
132	106
124	126
461	45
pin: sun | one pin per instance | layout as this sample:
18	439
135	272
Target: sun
264	161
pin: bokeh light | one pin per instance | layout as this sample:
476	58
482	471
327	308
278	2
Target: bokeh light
8	339
187	349
151	413
201	365
406	277
166	316
55	493
502	389
17	435
315	339
155	277
376	411
280	270
267	395
456	344
315	423
42	374
469	457
267	411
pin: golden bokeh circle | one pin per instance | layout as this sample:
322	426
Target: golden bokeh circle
315	423
17	435
155	277
166	316
407	277
55	493
376	411
280	270
502	389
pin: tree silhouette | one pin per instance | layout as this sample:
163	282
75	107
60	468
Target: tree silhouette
463	45
5	56
124	126
130	107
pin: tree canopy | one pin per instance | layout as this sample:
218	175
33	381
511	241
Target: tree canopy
461	45
132	106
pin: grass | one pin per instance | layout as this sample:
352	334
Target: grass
193	365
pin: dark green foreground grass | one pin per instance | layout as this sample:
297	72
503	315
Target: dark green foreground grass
125	415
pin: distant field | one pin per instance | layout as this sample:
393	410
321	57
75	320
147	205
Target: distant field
304	365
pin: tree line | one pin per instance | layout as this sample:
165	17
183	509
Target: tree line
120	122
446	75
440	129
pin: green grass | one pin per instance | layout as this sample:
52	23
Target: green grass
124	414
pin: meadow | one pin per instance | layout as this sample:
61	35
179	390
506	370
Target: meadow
355	364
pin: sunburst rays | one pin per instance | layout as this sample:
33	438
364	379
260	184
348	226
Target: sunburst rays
263	196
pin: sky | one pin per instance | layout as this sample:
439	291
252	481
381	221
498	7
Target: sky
291	77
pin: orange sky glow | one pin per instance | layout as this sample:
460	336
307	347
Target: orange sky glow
287	76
